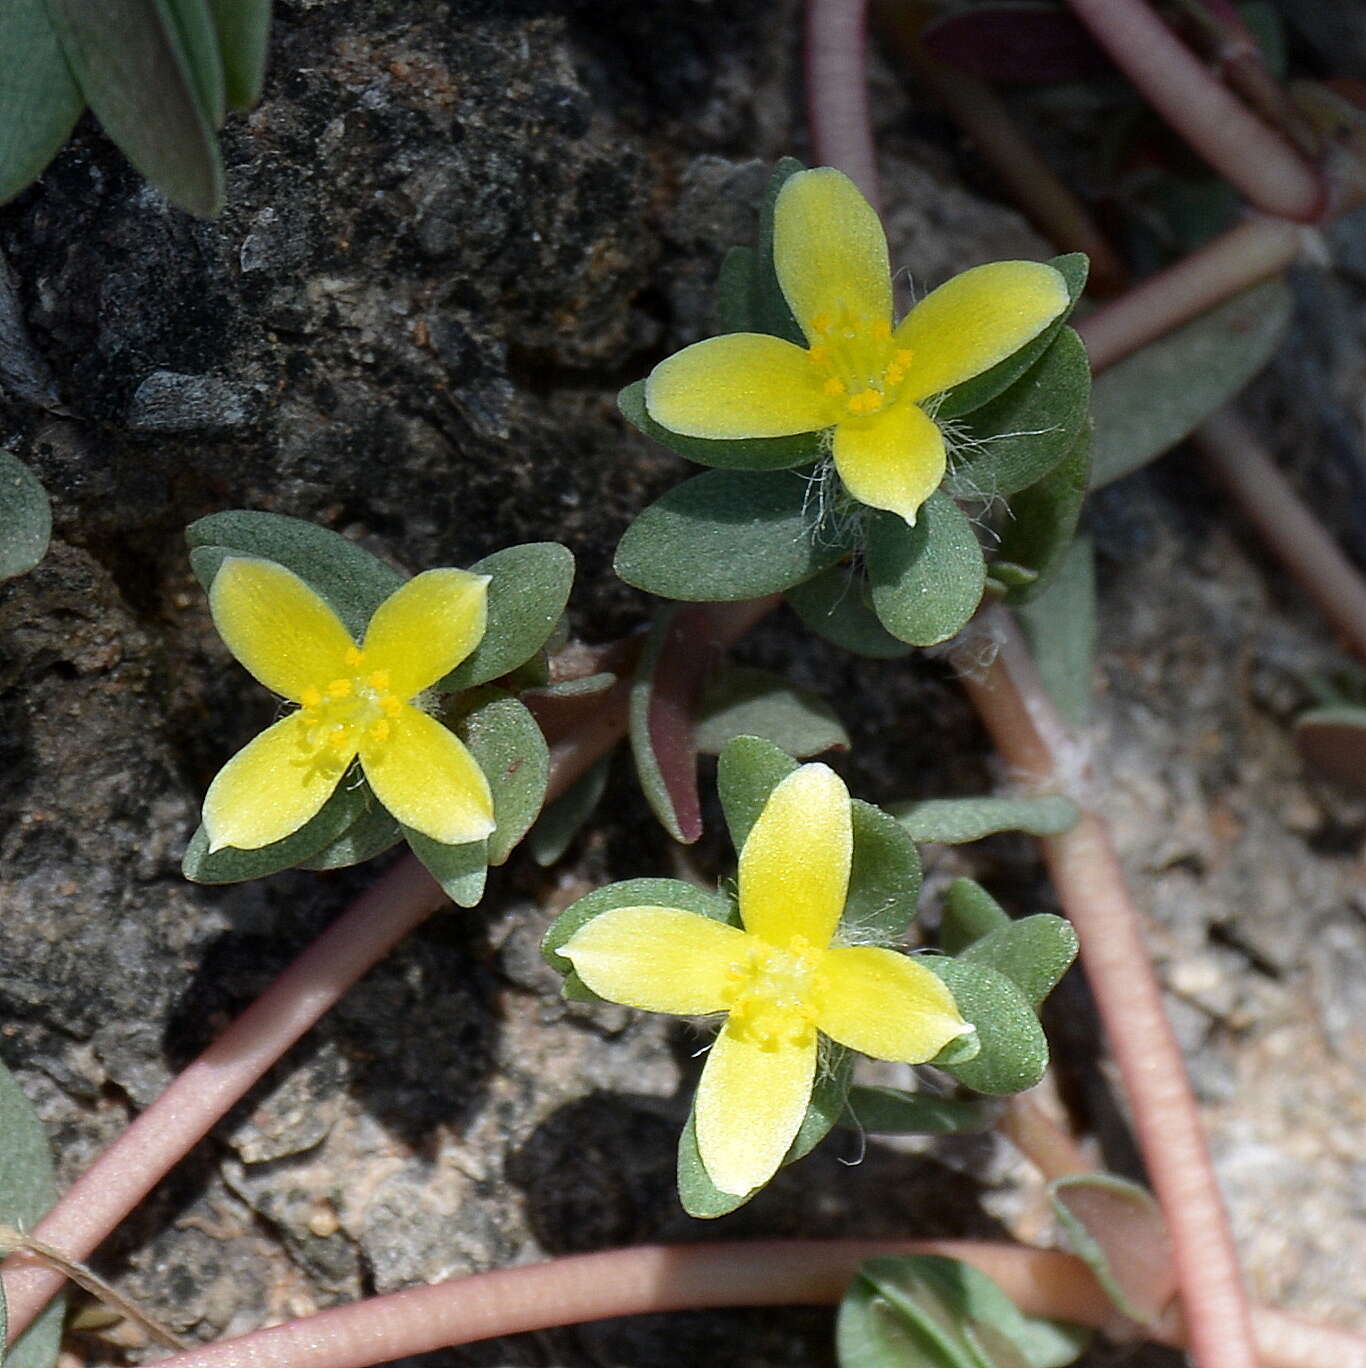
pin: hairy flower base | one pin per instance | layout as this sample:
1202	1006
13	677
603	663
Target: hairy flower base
780	981
858	377
354	701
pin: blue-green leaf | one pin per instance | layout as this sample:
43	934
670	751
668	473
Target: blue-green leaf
243	28
956	821
39	99
25	518
835	605
1014	1052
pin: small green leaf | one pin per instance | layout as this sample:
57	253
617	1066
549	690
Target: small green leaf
748	770
353	581
927	580
737	292
751	453
528	589
632	893
970	913
956	821
1034	953
132	66
746	702
834	605
1027	429
561	820
39	100
1148	402
1014	1052
890	1111
774	314
1333	742
460	869
1043	520
243	28
194	27
731	534
1060	624
1116	1228
504	739
25	515
981	389
350	801
884	878
926	1311
27	1190
371	834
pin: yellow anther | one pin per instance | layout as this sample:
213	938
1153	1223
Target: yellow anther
339	688
736	972
869	401
391	705
818	355
833	387
894	374
354	655
821	323
340	740
312	698
881	330
379	681
902	356
380	731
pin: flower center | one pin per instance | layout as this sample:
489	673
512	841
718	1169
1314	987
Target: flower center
349	709
772	993
863	368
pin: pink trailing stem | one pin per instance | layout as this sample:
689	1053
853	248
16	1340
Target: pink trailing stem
1241	464
1216	124
836	92
1042	756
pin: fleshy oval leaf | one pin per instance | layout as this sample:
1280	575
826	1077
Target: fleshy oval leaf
1013	1052
25	518
39	98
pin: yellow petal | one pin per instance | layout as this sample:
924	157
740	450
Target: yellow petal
830	253
426	778
975	320
282	631
660	959
885	1005
739	385
750	1103
426	628
271	787
893	460
794	869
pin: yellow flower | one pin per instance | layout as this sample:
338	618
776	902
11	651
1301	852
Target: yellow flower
780	980
858	375
354	700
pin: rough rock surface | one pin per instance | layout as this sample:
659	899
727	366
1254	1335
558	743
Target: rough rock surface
453	230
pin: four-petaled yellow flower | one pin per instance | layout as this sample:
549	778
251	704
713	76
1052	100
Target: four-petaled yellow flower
354	700
780	980
857	375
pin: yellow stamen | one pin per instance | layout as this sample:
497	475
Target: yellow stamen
894	374
818	355
339	688
354	655
380	731
391	705
833	387
821	323
869	401
881	330
340	740
903	356
312	698
379	681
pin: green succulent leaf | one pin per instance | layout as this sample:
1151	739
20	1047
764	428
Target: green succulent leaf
136	71
749	769
353	581
243	31
927	580
460	869
751	453
737	285
981	389
27	1190
504	739
1060	623
1332	740
747	702
351	800
773	315
891	1111
561	820
925	1311
1148	402
730	534
1034	953
884	878
1014	1052
371	834
970	913
194	26
1116	1228
25	514
836	605
1043	520
1024	432
528	589
956	821
39	99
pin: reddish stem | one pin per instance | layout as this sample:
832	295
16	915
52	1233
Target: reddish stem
1217	125
837	94
1239	462
1090	885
